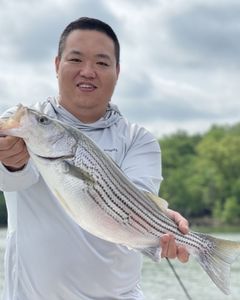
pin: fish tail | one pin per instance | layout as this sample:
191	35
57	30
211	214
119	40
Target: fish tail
216	259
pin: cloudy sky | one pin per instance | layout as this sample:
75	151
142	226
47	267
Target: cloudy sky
180	59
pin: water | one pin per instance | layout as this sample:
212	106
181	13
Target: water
159	282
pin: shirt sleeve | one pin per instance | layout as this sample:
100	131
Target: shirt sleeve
142	162
19	180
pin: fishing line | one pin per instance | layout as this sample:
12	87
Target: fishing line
179	280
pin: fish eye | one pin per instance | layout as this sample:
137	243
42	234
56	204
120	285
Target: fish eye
43	120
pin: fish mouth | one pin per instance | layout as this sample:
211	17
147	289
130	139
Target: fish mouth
13	121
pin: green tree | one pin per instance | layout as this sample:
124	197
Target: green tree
231	211
178	152
202	173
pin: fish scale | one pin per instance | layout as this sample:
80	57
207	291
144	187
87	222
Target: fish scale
97	195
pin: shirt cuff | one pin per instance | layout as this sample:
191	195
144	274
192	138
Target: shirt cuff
18	180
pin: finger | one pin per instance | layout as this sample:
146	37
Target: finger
164	244
179	220
22	160
19	145
183	226
8	142
16	157
18	165
172	248
17	148
16	160
168	245
182	254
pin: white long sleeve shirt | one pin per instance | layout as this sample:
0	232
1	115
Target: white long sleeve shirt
48	256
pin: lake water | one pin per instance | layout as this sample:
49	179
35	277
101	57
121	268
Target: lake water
159	282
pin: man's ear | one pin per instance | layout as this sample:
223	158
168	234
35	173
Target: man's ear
57	62
118	69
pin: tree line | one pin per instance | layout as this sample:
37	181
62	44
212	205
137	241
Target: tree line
201	175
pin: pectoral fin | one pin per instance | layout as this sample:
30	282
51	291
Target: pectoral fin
78	172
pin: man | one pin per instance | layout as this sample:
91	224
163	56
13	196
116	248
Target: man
48	256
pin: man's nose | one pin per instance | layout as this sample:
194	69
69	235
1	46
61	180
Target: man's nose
88	70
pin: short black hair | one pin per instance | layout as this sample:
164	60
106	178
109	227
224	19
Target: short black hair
85	23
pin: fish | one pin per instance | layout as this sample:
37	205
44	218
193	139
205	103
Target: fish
101	199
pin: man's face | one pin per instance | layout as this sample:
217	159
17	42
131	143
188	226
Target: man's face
87	74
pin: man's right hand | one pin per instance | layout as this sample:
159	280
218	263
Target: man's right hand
13	153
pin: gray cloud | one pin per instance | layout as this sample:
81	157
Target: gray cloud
165	109
35	36
138	86
208	34
140	3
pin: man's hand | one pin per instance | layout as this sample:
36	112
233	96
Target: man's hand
167	242
13	153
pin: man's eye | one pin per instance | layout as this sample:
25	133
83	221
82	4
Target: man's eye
102	63
75	60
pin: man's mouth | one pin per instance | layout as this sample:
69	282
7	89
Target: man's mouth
86	87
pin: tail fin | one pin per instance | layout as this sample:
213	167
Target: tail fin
217	260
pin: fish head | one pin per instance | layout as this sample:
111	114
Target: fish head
44	136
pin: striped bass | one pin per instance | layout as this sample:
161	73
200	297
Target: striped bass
93	190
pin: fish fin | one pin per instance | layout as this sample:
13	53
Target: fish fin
161	203
77	172
153	252
217	260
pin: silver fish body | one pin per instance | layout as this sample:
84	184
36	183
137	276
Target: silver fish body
100	198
